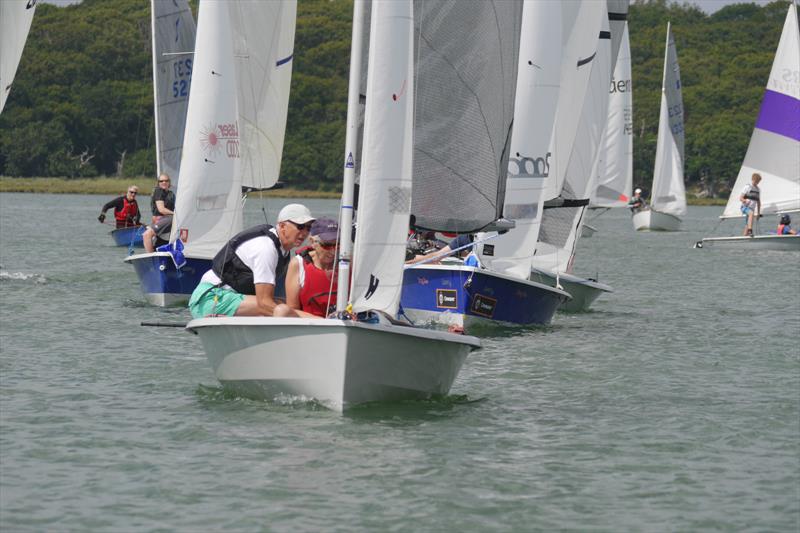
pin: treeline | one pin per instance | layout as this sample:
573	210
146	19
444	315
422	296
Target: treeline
82	100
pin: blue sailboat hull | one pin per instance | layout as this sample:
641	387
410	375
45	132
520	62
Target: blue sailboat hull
131	236
469	296
162	283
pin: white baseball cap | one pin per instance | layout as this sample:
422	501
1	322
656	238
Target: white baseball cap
639	191
297	213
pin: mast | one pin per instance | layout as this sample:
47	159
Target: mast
155	86
350	154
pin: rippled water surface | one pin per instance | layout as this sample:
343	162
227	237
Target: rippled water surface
673	406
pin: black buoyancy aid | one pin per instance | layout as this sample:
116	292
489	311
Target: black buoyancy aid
752	194
232	270
127	215
169	201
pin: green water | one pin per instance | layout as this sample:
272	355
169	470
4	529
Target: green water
673	406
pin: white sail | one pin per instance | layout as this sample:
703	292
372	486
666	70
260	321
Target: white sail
538	81
668	194
15	23
615	164
617	21
263	50
774	150
228	120
173	33
386	168
581	22
561	225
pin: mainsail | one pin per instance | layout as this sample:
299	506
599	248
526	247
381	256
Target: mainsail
15	23
774	150
230	117
668	194
173	33
385	188
466	57
614	174
561	220
536	100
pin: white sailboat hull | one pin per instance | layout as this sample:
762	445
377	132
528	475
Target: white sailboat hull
650	220
786	243
338	363
584	291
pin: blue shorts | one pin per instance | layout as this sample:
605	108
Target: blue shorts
202	303
746	209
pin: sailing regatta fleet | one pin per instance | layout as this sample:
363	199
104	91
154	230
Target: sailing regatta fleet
512	149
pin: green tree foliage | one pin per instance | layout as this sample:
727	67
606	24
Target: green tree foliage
725	59
82	100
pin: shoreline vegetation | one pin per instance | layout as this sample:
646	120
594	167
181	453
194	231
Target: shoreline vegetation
117	186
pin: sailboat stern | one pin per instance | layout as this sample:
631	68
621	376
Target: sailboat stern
163	283
470	296
341	363
651	220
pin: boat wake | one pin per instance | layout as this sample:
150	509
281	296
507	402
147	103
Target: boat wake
5	275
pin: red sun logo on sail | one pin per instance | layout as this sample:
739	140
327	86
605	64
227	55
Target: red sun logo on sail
220	137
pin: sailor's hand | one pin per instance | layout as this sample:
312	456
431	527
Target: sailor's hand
101	218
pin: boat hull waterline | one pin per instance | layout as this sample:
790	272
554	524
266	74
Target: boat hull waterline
784	243
341	364
469	296
651	220
162	283
584	291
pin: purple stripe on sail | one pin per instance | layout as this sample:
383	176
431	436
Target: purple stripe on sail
780	114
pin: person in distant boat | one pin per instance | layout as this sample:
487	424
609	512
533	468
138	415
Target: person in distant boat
458	242
126	210
751	202
162	203
243	275
311	279
637	203
785	226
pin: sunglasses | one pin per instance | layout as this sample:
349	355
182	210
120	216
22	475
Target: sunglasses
302	227
133	193
163	181
327	245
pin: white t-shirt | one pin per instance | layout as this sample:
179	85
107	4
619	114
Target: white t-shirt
259	255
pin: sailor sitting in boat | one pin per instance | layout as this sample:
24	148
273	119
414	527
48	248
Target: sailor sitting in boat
244	273
460	243
637	203
751	202
311	280
785	226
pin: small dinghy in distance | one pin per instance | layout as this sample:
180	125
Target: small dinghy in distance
774	152
668	196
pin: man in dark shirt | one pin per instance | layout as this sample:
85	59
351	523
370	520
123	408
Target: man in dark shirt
162	203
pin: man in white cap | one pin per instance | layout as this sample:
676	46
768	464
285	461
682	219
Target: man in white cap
637	203
244	273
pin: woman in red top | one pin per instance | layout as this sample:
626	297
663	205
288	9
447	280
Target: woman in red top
311	279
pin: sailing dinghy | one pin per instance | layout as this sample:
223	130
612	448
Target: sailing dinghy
233	139
361	356
668	195
460	175
774	150
586	76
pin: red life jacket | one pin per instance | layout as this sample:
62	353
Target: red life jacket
317	286
127	215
